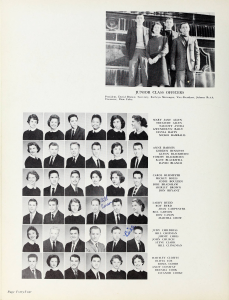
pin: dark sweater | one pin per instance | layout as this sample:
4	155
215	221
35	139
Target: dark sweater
31	192
116	275
58	135
115	135
31	162
54	274
31	248
141	136
37	134
101	135
132	219
117	163
75	220
113	191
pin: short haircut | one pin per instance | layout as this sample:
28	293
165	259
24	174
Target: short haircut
74	200
138	227
33	116
156	23
137	144
96	116
34	229
33	255
140	14
183	24
33	200
71	116
169	18
53	200
75	255
33	144
139	173
94	227
116	256
95	199
97	173
53	256
53	144
75	228
55	228
96	144
53	117
33	173
116	200
119	174
138	256
139	202
75	143
75	172
53	172
95	256
114	117
141	120
114	228
117	144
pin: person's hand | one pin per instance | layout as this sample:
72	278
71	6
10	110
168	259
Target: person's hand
150	61
155	59
173	68
196	68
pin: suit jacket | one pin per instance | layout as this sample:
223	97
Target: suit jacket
120	247
142	191
69	274
90	163
58	162
58	219
181	53
59	191
79	134
28	274
70	192
131	39
36	220
143	162
80	162
90	275
111	218
90	247
47	247
100	219
80	247
132	246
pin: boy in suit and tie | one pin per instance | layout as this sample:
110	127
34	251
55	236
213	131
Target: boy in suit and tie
73	272
139	189
55	189
76	245
31	272
93	245
77	160
136	245
54	160
73	189
115	217
140	160
54	216
94	272
76	132
33	217
51	244
117	245
97	216
94	161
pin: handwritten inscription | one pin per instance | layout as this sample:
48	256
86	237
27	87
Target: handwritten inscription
105	203
128	230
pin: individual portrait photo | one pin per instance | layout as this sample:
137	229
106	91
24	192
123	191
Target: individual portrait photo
32	154
117	156
74	182
97	238
53	210
138	126
137	210
75	238
117	125
53	181
95	264
117	179
32	238
32	210
95	180
96	127
75	210
137	238
54	238
95	212
116	264
54	154
32	182
33	126
116	240
53	265
96	153
116	210
31	263
75	266
138	154
75	154
54	126
137	266
75	126
138	182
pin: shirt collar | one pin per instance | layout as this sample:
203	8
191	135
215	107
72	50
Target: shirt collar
95	185
115	270
116	130
96	130
94	271
31	187
34	157
138	270
54	213
74	187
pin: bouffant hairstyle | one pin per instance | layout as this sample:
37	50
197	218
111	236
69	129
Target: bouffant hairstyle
116	256
74	200
141	120
117	144
53	256
137	256
71	116
34	229
53	117
33	173
139	202
114	117
33	116
119	174
33	144
97	173
98	117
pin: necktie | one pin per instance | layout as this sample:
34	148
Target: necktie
97	275
52	161
97	247
53	191
135	191
73	133
76	190
76	274
139	247
53	247
136	163
31	218
95	219
114	246
118	219
34	274
52	217
97	162
73	246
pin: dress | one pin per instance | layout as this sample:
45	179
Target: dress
92	190
116	275
141	136
117	163
136	275
31	162
57	135
101	135
113	191
31	192
75	220
54	274
116	135
157	73
141	219
31	247
37	134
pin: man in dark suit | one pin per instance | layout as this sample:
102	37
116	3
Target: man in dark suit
31	272
136	245
94	161
33	217
51	244
117	245
94	272
140	160
185	57
115	217
73	272
97	216
76	245
54	160
55	189
54	216
136	41
76	132
139	189
77	160
73	189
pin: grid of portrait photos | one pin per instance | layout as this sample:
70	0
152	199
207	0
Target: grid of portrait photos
84	195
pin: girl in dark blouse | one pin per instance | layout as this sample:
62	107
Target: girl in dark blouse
95	189
32	235
97	133
116	273
116	133
76	218
33	133
117	162
33	161
137	272
137	217
137	123
54	273
31	189
115	190
54	133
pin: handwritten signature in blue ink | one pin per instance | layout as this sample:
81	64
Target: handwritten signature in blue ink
104	199
128	230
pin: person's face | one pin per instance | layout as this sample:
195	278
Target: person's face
75	207
95	263
137	179
95	235
116	234
33	123
54	123
138	263
75	150
53	150
116	263
33	150
95	179
185	29
156	29
138	150
169	24
117	124
96	150
32	206
53	262
54	233
32	235
74	262
53	207
32	179
136	207
73	122
74	235
139	20
115	179
95	206
75	179
117	207
117	151
54	178
32	262
135	124
137	234
95	123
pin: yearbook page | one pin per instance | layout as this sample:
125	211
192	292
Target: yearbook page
114	150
